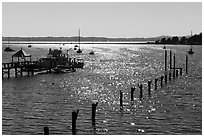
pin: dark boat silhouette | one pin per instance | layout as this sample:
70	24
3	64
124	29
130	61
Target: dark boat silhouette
29	46
164	47
79	51
190	51
91	53
8	49
79	63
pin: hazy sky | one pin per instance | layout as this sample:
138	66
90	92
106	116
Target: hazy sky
116	19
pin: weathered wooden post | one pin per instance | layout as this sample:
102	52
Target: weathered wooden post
16	72
170	60
32	70
162	77
169	75
21	71
132	93
156	79
165	78
94	105
8	72
140	86
186	64
174	66
180	71
176	72
121	98
46	131
165	61
74	118
149	87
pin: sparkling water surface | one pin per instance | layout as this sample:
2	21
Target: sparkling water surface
30	103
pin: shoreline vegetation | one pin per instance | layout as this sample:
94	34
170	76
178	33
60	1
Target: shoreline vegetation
175	40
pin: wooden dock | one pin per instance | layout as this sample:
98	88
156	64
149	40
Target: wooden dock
19	68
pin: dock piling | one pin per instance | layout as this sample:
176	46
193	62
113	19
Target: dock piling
121	98
177	73
165	61
140	87
165	78
186	64
94	105
169	75
132	93
156	79
180	71
46	131
74	118
170	60
149	87
162	77
174	66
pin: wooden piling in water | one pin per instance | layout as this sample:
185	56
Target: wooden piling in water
186	64
169	75
94	105
180	71
132	93
21	71
149	87
155	87
16	72
174	66
74	118
121	98
165	61
140	87
177	73
46	131
8	73
162	77
170	60
165	78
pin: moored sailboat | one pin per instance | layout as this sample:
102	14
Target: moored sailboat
79	50
191	49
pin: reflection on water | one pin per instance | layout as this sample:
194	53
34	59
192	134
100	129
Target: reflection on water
30	103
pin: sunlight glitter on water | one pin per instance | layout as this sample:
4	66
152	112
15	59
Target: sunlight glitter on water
49	99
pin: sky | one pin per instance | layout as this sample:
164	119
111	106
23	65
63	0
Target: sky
101	19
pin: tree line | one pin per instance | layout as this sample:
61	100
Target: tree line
193	40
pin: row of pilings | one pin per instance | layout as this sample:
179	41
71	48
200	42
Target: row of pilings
168	76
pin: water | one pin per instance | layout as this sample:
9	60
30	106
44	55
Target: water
30	103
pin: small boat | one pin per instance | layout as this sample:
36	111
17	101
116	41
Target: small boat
91	53
8	49
63	69
29	46
190	51
79	51
164	47
79	63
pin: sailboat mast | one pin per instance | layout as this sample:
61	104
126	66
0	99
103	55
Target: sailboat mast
79	38
191	38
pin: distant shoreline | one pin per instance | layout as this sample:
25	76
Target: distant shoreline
80	43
